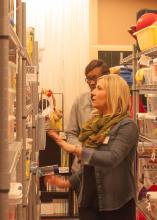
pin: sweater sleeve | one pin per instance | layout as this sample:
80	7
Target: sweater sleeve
73	128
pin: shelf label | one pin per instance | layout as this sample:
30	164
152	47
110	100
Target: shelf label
31	73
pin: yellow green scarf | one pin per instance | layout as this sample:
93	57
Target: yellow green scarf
96	129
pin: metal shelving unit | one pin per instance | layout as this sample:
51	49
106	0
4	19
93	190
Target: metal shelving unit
144	89
15	150
13	156
146	139
4	147
132	59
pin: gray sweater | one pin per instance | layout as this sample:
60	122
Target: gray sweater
81	111
112	163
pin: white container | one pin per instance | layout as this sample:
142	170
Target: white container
15	193
147	72
141	122
152	103
146	148
151	126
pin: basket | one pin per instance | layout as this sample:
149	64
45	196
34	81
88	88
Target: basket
147	37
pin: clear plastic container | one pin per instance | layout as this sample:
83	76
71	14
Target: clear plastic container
152	103
151	126
147	72
146	148
141	122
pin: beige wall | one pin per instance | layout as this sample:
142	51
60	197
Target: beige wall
109	22
115	17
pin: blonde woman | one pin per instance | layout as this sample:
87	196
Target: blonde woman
107	153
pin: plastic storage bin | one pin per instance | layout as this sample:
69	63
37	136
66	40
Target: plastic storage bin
141	122
147	72
151	126
147	37
146	149
152	103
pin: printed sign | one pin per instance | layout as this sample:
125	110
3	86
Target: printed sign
31	73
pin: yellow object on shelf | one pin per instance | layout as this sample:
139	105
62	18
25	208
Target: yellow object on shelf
147	37
30	41
115	70
27	168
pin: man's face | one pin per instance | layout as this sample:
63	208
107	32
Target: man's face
92	76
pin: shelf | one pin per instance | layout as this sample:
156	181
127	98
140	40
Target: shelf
47	216
15	150
151	52
16	44
143	138
142	207
147	89
55	195
127	60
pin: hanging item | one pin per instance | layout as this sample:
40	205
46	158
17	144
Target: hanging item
49	109
30	39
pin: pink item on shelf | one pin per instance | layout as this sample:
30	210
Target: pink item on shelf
153	188
140	216
141	106
12	213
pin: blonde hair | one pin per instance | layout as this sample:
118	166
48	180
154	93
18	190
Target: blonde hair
118	93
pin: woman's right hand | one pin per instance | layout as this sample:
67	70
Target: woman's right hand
65	145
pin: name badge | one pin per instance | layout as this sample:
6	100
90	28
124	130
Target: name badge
106	140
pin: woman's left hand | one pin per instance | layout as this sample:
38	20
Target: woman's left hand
63	144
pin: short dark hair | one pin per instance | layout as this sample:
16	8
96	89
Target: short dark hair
97	63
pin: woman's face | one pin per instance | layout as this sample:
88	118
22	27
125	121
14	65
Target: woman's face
99	97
